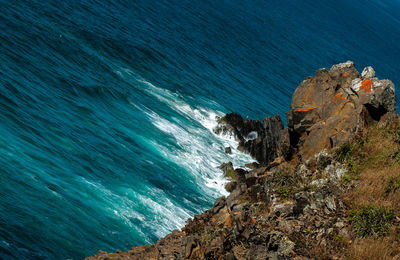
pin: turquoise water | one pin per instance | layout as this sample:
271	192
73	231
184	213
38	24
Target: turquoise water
107	107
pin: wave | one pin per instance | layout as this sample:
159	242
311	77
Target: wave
200	150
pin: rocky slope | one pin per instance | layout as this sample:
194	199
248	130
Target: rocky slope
291	204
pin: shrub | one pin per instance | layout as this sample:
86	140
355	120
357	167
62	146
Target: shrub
371	220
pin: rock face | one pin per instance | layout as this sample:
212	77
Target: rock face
289	205
263	140
269	214
328	108
326	111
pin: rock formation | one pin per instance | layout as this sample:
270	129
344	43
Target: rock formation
263	140
327	109
290	203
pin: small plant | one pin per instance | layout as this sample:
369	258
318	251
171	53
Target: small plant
346	179
284	191
243	201
307	231
343	153
393	185
231	174
371	220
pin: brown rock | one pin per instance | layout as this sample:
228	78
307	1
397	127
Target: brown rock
327	109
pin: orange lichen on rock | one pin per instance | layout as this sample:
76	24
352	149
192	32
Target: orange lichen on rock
228	222
308	109
366	85
345	74
237	213
338	96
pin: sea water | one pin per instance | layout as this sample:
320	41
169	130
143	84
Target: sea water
107	107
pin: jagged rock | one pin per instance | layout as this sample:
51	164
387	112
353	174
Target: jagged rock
284	149
330	204
259	221
190	244
301	201
226	168
327	109
219	204
260	139
285	209
252	165
228	150
241	174
230	186
368	73
279	245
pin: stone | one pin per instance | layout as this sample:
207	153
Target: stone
190	244
228	150
230	186
251	178
368	73
252	165
226	168
330	203
241	175
218	204
339	224
278	242
259	139
301	201
285	209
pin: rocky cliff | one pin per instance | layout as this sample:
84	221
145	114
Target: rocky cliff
292	204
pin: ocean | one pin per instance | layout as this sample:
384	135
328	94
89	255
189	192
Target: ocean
107	107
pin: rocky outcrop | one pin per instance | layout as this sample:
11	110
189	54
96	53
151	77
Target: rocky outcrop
288	206
263	140
326	111
275	213
328	108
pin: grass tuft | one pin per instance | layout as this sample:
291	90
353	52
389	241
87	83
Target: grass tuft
371	220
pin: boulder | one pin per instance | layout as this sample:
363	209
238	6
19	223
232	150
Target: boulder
228	150
328	108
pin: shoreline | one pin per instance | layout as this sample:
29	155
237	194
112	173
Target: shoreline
290	203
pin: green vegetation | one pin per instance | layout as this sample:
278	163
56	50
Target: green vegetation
231	174
343	153
287	182
393	185
371	220
284	191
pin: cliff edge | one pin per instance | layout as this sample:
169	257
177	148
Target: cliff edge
325	187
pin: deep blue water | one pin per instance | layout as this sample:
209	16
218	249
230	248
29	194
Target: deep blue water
106	107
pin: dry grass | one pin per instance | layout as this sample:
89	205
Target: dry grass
374	166
368	248
375	161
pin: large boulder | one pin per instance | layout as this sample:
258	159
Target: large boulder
328	108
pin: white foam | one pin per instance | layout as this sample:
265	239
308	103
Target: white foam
201	149
200	152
